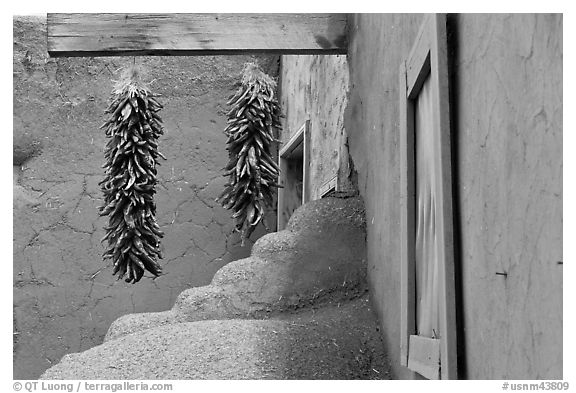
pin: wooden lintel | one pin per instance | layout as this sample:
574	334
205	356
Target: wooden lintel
92	35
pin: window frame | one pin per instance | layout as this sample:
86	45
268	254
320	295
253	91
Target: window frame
302	136
428	57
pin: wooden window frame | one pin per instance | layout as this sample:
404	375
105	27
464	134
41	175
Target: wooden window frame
428	57
301	136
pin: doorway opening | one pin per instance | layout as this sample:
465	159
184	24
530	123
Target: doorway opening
294	167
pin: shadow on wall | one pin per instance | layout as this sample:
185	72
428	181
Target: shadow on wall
294	309
321	255
64	295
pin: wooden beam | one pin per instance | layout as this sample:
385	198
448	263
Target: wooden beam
93	35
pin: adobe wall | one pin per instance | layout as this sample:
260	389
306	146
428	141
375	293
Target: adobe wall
314	88
65	297
507	125
506	93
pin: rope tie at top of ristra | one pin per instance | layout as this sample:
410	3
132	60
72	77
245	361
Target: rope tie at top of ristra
252	171
131	155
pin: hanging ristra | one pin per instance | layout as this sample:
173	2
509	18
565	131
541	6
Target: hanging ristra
129	185
252	171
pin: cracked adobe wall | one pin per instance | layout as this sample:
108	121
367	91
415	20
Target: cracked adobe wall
507	124
65	297
315	87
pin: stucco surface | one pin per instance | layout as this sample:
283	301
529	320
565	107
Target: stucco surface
340	341
509	137
297	308
506	93
506	104
321	256
315	87
65	297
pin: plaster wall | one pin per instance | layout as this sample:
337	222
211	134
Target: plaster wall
65	297
506	109
506	93
315	88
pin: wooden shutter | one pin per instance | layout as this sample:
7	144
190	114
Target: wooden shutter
428	308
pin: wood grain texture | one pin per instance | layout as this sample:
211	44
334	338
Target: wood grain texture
407	219
439	74
425	356
428	57
195	34
418	63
